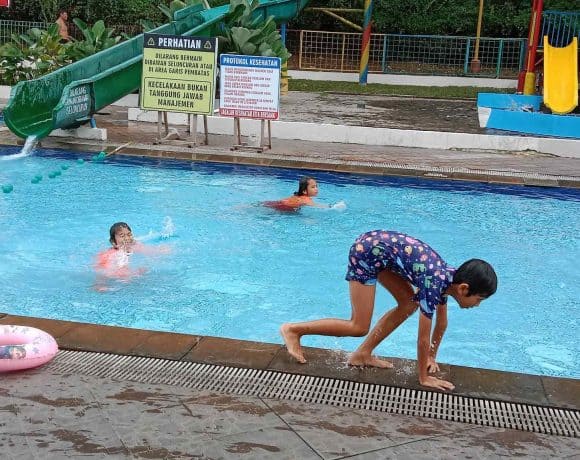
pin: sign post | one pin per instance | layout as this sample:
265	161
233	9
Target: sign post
250	88
179	76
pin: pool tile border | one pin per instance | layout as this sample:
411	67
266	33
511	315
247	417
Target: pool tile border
399	169
478	383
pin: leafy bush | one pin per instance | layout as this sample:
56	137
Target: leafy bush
501	18
168	12
39	52
32	54
451	17
246	33
96	38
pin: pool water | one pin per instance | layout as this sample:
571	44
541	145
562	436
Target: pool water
240	270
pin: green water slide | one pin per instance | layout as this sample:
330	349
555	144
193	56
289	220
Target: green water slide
70	95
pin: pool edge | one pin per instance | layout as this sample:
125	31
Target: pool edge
266	159
562	393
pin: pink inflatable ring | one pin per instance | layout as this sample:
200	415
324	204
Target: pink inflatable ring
23	347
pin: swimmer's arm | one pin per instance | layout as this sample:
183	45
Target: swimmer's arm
310	202
318	205
102	261
423	345
423	355
437	337
151	250
340	205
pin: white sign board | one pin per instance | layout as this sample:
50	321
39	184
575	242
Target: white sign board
250	86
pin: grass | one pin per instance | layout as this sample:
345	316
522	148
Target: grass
434	92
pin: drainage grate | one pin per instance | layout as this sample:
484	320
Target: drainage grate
325	159
320	390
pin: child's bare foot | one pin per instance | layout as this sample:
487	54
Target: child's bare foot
292	342
364	360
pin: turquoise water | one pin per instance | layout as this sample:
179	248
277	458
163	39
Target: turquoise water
240	270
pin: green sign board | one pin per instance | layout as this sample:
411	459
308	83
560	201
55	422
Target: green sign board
178	73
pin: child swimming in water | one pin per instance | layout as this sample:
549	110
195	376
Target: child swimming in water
114	262
307	190
416	277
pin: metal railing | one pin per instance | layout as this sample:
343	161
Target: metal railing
8	28
389	53
560	27
409	54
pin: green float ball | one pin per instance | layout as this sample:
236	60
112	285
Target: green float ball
64	167
80	161
51	175
35	180
57	173
7	188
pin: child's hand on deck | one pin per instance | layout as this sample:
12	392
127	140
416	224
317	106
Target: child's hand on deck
434	382
432	366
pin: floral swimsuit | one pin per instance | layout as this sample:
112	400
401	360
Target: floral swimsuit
408	257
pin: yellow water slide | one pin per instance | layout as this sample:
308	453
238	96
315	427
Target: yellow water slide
561	76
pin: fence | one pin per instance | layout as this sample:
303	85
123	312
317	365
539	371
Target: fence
7	28
410	54
389	53
560	27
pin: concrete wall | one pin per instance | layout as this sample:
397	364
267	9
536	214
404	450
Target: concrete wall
317	132
411	80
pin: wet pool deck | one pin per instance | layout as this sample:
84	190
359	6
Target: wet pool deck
518	167
48	415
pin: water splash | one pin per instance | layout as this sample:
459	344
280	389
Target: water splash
167	231
27	150
168	228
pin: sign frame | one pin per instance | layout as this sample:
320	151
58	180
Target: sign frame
170	64
247	81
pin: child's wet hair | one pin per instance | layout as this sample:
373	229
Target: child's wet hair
303	185
115	228
479	275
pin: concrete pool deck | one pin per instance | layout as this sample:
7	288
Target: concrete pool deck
471	382
77	415
67	414
518	167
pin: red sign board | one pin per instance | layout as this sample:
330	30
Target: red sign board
4	3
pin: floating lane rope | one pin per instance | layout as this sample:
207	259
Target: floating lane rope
98	158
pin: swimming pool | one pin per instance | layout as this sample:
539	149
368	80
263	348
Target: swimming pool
239	270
